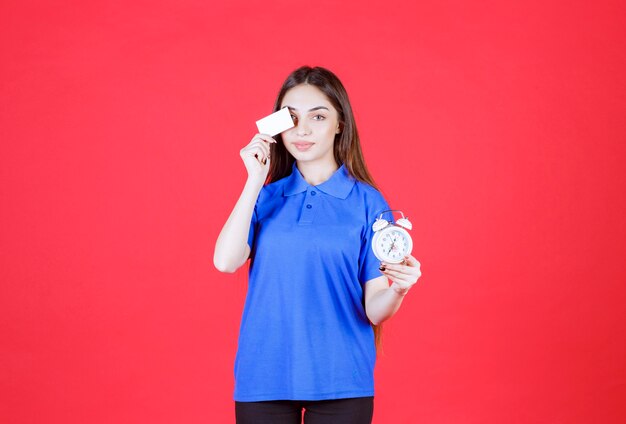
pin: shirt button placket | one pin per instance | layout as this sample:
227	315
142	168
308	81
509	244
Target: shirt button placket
310	204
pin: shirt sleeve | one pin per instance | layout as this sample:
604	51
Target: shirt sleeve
368	262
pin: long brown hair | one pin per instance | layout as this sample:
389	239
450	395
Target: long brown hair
347	147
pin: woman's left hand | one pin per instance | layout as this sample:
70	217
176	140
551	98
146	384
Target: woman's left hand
403	275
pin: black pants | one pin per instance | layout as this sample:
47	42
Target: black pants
335	411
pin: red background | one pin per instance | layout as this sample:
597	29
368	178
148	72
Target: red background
498	127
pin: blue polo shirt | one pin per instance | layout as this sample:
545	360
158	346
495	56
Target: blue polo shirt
304	333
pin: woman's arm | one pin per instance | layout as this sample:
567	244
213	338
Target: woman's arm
231	248
383	301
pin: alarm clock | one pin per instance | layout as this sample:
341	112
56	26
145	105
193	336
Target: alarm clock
392	242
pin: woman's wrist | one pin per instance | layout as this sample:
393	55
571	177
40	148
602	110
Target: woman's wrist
255	183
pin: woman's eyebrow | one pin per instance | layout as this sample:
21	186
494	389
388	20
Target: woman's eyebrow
310	110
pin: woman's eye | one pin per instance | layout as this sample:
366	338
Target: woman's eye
293	117
321	117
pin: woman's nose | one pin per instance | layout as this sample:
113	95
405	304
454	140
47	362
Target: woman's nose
302	128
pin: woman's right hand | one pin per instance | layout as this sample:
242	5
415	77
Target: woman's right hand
256	157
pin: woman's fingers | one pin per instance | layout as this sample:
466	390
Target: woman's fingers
397	276
411	261
408	274
257	148
255	156
403	269
262	142
253	152
412	266
262	152
265	137
396	267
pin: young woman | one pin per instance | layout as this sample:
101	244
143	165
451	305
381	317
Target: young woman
316	292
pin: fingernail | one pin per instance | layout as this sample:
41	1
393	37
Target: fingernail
382	268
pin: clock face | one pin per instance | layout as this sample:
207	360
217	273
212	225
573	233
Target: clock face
392	244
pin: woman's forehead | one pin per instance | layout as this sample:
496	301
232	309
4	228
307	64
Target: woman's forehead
305	97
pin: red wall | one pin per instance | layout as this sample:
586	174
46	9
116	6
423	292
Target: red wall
498	127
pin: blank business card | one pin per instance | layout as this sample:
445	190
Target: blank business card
275	123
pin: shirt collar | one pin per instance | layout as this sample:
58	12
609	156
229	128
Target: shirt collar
338	185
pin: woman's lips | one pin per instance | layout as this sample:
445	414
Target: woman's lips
303	146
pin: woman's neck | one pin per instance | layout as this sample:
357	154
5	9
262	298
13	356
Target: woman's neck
316	173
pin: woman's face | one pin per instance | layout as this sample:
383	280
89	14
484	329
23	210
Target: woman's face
316	124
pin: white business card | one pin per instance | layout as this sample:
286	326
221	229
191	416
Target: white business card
275	123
